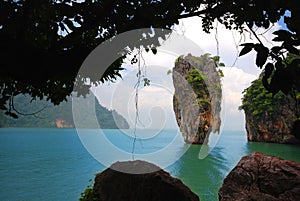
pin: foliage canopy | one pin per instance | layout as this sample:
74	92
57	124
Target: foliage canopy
43	43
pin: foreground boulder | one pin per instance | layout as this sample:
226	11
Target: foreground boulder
262	177
115	185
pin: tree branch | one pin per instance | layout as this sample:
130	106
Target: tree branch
24	114
255	35
97	22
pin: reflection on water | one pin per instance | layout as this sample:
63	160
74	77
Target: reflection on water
285	151
202	176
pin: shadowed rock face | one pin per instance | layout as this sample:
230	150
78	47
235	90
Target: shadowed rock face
273	127
262	177
113	185
197	97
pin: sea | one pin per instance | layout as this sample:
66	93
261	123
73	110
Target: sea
58	164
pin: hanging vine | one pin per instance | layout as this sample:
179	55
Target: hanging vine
142	80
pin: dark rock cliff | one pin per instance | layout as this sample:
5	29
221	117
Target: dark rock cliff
115	185
197	97
262	177
269	118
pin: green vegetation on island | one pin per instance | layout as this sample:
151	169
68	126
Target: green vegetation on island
60	116
258	101
197	81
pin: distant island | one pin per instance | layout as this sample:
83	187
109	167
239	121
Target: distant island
57	116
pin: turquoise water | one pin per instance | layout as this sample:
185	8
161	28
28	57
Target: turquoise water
53	164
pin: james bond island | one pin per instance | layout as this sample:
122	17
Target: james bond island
197	98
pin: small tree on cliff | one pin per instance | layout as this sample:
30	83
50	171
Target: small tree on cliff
43	43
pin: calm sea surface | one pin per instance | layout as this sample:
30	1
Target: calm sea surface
54	165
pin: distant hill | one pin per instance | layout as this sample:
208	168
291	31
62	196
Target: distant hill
57	116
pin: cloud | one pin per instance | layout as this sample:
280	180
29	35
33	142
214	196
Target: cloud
154	101
226	41
234	82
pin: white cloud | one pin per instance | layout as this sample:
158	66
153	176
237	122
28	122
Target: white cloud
234	82
154	101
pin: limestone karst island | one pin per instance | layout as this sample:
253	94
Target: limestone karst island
197	98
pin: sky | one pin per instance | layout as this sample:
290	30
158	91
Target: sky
155	101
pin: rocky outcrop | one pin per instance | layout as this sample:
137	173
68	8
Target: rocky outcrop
272	128
113	184
197	97
269	118
262	177
60	123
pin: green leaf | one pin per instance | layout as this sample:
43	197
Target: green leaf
290	48
295	63
266	83
282	35
246	50
279	64
3	107
268	70
146	82
266	24
277	39
62	26
13	115
248	44
286	81
78	19
276	49
281	80
154	50
262	55
275	83
70	24
222	64
216	59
